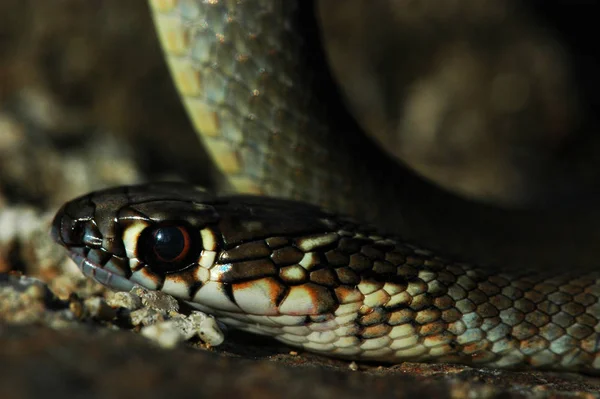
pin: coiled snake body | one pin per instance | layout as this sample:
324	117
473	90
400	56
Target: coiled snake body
291	270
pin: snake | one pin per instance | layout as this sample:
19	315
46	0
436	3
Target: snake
276	259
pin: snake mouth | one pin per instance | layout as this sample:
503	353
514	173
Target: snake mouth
94	263
97	272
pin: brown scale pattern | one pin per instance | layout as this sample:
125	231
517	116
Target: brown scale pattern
422	307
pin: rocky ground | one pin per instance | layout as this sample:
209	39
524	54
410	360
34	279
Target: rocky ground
96	343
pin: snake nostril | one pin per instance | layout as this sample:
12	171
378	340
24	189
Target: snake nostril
69	232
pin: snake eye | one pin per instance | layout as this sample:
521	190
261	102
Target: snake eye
168	248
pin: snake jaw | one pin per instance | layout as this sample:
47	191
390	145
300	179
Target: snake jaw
99	272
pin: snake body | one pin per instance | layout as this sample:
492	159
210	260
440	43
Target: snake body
294	271
311	279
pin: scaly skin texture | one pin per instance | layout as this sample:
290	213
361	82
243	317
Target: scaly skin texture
260	98
254	93
236	68
321	282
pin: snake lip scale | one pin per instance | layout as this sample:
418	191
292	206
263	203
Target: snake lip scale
324	283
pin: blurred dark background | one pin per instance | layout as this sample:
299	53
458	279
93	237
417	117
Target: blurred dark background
494	100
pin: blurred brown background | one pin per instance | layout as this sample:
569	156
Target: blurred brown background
494	100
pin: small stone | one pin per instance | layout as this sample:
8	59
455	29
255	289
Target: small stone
166	334
156	299
146	317
77	309
126	300
99	309
210	332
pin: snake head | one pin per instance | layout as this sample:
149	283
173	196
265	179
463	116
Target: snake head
236	254
119	235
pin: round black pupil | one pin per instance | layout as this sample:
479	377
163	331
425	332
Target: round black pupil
169	242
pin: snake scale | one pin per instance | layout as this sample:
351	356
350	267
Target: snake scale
293	271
